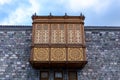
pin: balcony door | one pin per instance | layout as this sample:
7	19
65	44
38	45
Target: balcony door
58	75
72	75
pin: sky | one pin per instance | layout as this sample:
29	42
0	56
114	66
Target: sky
96	12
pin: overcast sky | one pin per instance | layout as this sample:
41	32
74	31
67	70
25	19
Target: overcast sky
97	12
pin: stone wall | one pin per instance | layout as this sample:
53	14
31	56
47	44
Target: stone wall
103	54
14	54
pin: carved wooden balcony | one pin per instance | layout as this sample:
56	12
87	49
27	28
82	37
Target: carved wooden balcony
58	42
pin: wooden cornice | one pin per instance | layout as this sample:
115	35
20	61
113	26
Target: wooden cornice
50	19
58	17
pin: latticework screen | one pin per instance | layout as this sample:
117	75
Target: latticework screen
74	33
41	34
57	34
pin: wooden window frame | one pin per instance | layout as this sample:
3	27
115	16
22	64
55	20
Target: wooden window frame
69	75
45	72
58	78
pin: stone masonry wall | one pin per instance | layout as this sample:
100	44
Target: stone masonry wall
14	54
103	54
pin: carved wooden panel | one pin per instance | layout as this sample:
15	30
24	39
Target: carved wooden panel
74	33
57	33
58	54
41	54
75	54
41	33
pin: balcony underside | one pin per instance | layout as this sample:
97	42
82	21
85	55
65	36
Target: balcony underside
54	64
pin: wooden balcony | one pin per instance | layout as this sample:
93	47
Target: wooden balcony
58	42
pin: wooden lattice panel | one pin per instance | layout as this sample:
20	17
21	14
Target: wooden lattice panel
74	33
41	54
75	54
57	34
78	33
41	34
58	54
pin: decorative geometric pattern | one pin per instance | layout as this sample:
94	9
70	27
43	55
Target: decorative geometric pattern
57	33
41	54
58	54
41	33
70	35
78	33
74	33
75	54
